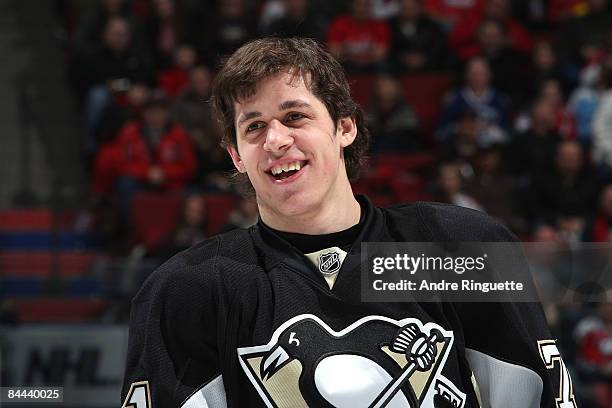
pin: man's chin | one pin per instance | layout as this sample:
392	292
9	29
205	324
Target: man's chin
292	203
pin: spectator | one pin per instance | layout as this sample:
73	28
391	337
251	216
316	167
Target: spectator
544	66
493	188
532	14
158	153
191	108
566	193
464	37
559	11
506	64
599	227
449	12
91	24
150	154
193	111
243	216
391	119
226	30
532	152
299	20
595	351
174	79
359	41
461	145
450	188
108	71
490	105
190	230
118	113
417	43
165	31
565	122
271	11
546	233
116	59
583	38
602	123
584	101
385	9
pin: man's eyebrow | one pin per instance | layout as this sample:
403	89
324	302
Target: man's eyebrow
296	103
247	116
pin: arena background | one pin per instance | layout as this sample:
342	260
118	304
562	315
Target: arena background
501	106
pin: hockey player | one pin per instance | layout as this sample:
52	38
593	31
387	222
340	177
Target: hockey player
272	316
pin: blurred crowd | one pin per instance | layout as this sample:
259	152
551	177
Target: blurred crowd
524	130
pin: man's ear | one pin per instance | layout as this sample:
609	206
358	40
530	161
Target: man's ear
347	129
236	159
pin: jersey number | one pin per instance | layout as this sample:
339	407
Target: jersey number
550	355
138	396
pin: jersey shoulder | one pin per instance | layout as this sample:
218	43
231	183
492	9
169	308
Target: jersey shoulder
201	267
447	222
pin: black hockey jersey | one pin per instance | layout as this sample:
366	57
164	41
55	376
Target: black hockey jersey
245	320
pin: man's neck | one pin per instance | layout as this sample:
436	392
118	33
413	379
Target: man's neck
333	216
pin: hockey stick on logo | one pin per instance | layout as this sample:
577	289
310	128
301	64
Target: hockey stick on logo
420	352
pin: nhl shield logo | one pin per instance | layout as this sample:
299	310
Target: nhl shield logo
329	263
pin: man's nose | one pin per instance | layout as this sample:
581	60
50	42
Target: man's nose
278	137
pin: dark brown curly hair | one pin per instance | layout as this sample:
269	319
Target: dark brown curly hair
322	74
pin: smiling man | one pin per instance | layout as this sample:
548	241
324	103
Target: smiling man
292	151
272	315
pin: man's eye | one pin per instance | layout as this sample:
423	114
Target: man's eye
254	126
294	116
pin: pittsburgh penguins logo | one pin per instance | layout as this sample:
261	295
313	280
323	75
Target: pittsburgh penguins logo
374	362
329	263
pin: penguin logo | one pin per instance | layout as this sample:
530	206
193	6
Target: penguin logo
329	263
375	362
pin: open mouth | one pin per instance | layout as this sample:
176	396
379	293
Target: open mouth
286	170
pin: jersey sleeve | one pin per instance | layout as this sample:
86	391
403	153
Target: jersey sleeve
509	347
172	352
514	358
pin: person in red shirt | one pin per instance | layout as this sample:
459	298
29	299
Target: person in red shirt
155	152
152	153
464	36
359	41
175	79
449	12
595	345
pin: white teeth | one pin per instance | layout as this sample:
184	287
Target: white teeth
276	170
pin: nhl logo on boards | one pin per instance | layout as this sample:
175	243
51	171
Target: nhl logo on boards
329	263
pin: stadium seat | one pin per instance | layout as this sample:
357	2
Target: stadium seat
404	162
219	206
425	93
156	215
42	263
58	310
361	86
35	220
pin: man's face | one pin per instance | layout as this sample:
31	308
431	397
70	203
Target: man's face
200	81
156	117
284	126
490	36
478	75
117	34
411	9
